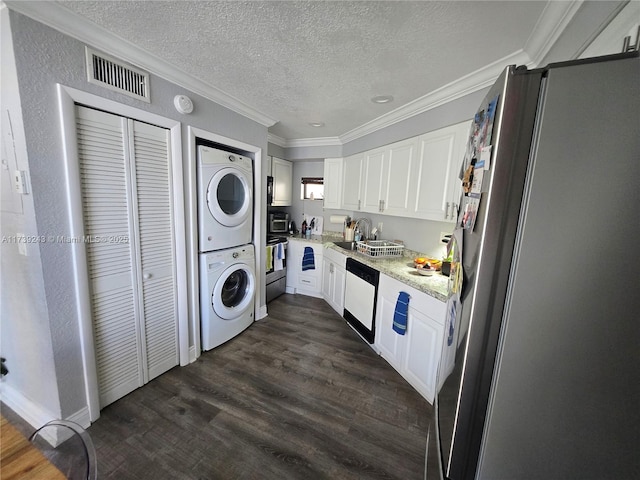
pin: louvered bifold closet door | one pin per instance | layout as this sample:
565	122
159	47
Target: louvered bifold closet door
156	240
127	209
106	202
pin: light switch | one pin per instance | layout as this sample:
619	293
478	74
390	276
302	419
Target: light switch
20	180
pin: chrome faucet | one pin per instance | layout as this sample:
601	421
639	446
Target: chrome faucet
364	225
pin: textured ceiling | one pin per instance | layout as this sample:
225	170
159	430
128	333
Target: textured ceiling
321	61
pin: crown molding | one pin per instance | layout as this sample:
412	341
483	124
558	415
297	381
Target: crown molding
276	140
72	24
482	78
304	142
554	19
315	142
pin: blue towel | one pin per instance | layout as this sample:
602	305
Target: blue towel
400	314
308	263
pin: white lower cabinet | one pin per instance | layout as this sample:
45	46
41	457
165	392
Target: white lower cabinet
333	279
305	282
416	354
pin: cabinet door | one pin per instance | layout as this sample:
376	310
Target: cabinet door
422	355
282	172
399	177
440	156
352	182
293	252
339	275
327	280
333	282
309	282
388	342
333	183
374	173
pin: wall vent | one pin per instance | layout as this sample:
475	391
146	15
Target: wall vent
117	75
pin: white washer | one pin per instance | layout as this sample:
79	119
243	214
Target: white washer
225	199
227	294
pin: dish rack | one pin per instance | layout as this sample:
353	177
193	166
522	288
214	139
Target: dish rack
380	248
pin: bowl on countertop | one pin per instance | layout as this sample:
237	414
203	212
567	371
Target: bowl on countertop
426	272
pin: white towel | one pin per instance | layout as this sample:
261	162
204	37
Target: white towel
278	257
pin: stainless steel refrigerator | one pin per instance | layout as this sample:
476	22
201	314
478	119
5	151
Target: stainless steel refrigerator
545	322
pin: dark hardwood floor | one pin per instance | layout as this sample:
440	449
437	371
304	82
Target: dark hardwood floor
298	395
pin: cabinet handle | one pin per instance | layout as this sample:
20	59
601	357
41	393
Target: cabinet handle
446	212
358	204
146	276
383	206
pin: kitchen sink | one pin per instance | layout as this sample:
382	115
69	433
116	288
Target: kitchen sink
346	245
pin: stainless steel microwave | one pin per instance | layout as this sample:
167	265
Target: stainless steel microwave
278	222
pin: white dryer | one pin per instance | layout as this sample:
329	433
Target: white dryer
227	294
225	199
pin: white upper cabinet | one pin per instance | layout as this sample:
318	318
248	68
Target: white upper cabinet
375	167
417	177
282	172
388	173
399	178
438	192
352	182
333	182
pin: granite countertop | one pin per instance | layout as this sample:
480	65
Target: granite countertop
401	268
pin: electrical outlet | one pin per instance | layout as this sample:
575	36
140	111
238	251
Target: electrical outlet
444	237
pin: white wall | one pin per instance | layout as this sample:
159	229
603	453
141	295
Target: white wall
25	339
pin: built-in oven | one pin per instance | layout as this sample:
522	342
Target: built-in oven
278	222
361	291
276	276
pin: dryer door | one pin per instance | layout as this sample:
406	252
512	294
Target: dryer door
234	291
229	197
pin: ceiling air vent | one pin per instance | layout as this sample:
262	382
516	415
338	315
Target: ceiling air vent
117	75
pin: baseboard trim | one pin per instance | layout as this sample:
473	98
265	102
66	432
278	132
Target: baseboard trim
32	413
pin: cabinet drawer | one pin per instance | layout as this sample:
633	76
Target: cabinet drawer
308	281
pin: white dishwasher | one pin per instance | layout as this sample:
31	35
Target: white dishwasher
360	293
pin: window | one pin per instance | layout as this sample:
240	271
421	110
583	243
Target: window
312	188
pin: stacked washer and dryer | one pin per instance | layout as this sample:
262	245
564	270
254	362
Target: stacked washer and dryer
227	257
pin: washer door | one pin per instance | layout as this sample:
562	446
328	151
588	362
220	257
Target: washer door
234	292
229	197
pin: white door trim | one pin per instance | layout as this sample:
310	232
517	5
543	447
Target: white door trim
67	97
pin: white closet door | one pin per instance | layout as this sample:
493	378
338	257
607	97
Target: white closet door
104	170
156	240
126	192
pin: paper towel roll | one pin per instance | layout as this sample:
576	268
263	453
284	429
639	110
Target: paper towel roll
337	219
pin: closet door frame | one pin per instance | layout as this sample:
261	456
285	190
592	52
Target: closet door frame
67	98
